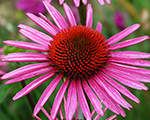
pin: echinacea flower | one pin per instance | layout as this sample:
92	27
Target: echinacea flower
32	6
119	20
77	2
2	64
83	59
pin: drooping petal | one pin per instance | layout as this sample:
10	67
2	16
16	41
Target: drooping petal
71	103
82	100
120	88
26	45
42	23
30	75
134	62
89	16
47	93
24	70
112	92
59	98
99	27
93	98
128	43
130	54
69	15
129	82
25	57
56	16
34	84
107	100
123	34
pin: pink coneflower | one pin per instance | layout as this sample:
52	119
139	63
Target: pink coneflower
119	20
77	2
32	6
2	64
83	59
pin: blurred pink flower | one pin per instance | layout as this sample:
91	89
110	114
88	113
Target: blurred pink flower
32	6
119	20
83	59
2	64
77	2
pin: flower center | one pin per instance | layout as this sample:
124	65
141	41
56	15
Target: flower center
78	51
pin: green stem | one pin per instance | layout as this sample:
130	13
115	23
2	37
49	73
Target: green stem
82	13
29	98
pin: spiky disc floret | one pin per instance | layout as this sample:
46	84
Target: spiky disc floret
78	51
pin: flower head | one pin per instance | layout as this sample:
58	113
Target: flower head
84	59
32	6
77	2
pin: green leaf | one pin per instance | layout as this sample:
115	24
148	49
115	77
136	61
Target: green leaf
4	91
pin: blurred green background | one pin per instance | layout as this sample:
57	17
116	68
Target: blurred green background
134	11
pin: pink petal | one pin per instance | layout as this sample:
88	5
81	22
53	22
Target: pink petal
61	1
58	98
123	80
43	38
111	117
89	16
34	84
82	100
69	15
56	16
84	2
25	57
120	88
49	22
141	63
101	2
108	1
49	1
33	37
123	34
71	103
77	3
42	23
26	45
2	73
47	93
128	43
99	27
93	98
131	68
2	63
112	92
29	75
129	74
130	54
107	100
24	70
